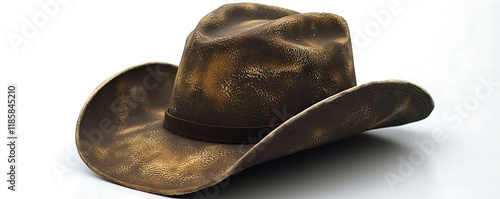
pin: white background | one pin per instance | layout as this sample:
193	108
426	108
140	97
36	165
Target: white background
450	47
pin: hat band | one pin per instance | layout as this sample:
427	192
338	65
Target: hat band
214	133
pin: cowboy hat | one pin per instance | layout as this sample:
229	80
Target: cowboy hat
255	83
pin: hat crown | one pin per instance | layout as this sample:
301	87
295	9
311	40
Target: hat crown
244	61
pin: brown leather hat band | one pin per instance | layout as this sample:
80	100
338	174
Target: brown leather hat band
213	133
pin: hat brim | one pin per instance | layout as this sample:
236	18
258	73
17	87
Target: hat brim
119	134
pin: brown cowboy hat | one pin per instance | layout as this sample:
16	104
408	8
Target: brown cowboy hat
255	83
